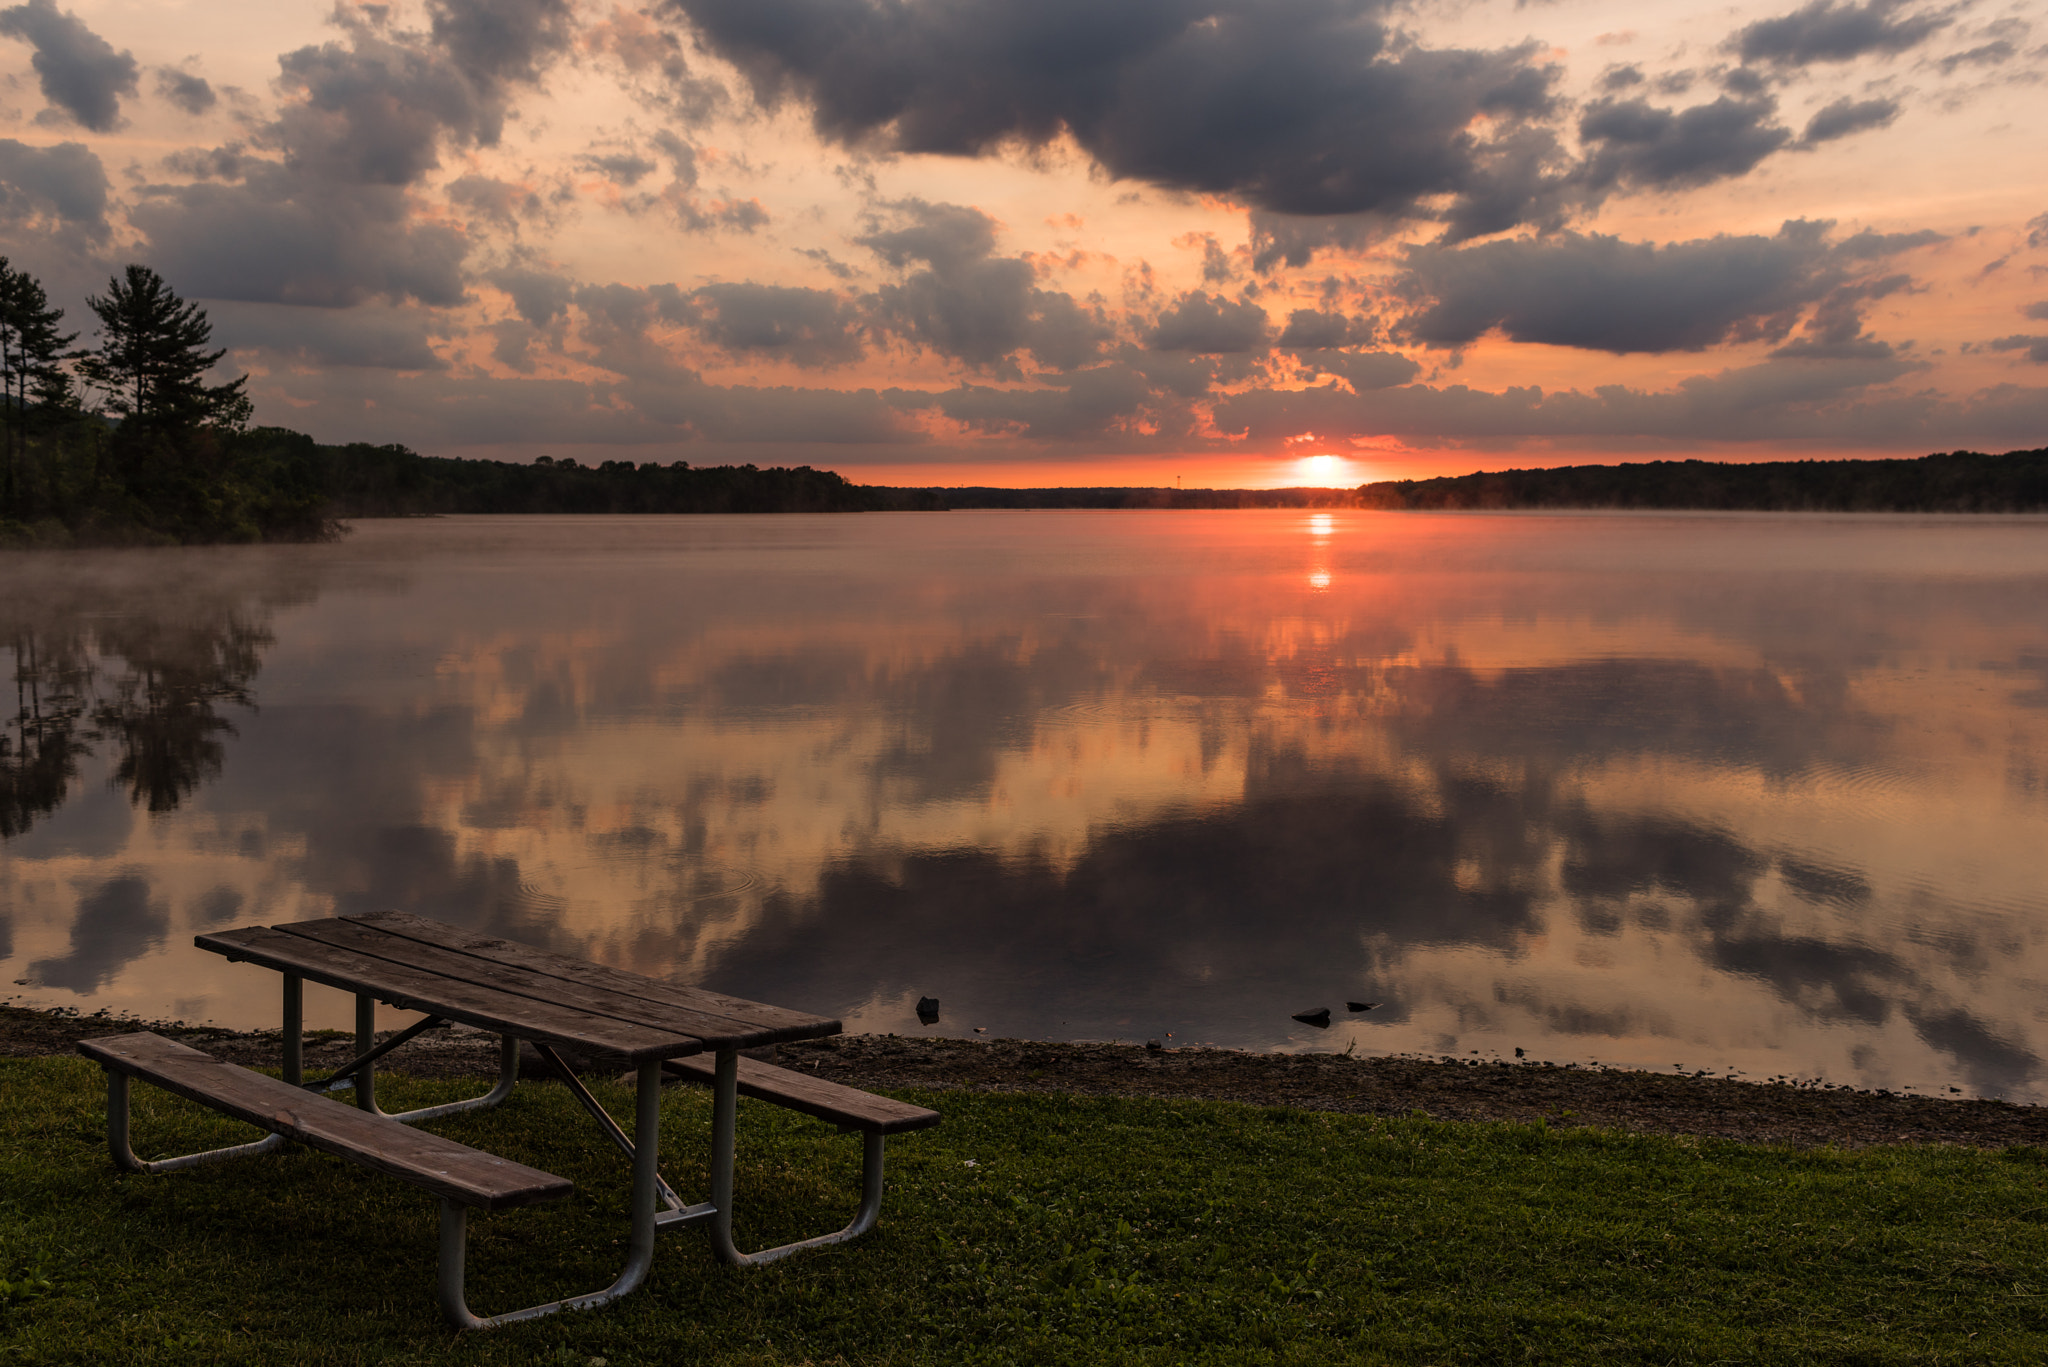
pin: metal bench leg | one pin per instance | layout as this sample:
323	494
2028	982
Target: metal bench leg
640	1254
724	1116
363	1078
124	1155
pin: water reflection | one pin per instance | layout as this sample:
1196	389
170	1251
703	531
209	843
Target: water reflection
1712	792
143	663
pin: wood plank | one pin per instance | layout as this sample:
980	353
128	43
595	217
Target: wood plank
813	1096
470	1003
427	1160
757	1022
714	1031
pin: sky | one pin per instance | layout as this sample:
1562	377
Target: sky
1042	242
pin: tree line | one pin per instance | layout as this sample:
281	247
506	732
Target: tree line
1946	482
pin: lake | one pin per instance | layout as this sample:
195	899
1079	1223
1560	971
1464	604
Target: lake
1752	794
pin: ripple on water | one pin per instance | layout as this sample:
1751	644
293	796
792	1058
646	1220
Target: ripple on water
713	882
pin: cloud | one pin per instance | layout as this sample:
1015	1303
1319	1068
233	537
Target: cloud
500	201
1091	403
1846	116
1994	53
622	168
1824	31
1306	107
375	110
2035	346
539	297
47	186
1636	144
1603	294
276	238
326	220
968	304
1779	400
1313	329
500	42
1364	370
805	327
79	71
372	336
188	92
1210	325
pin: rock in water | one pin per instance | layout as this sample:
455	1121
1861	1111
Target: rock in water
1361	1006
1320	1017
928	1010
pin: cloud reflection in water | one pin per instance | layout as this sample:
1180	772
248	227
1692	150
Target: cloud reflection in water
1717	792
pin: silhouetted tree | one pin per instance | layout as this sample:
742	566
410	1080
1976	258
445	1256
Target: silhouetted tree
34	385
152	357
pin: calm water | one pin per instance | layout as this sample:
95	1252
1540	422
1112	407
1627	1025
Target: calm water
1766	794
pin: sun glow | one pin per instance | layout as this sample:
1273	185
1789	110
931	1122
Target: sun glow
1324	470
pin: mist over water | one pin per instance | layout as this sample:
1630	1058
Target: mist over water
1755	793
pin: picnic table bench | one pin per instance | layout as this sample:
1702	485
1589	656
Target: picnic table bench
520	993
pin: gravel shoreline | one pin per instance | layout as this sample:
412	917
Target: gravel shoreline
1655	1103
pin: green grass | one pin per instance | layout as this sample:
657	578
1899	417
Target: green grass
1033	1230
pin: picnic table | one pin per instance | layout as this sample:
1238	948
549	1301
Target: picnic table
662	1030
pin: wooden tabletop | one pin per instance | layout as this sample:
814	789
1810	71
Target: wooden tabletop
514	989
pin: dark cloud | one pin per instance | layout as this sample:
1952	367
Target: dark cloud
803	326
188	92
1307	107
499	42
2036	347
624	168
1091	403
1280	238
1364	370
1830	401
1834	332
63	184
1742	80
2036	310
1620	78
325	218
1313	329
2037	231
1846	116
1825	31
1600	293
1636	144
375	110
373	336
276	238
79	71
1210	325
969	304
1993	53
501	201
541	298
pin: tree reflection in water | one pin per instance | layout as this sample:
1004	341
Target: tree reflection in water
113	656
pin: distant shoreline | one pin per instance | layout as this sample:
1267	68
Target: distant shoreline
1951	482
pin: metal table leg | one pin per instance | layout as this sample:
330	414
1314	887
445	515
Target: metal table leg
724	1117
361	1073
640	1253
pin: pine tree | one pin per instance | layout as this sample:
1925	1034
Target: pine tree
151	357
34	386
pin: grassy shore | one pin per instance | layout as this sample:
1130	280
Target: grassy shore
1036	1229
